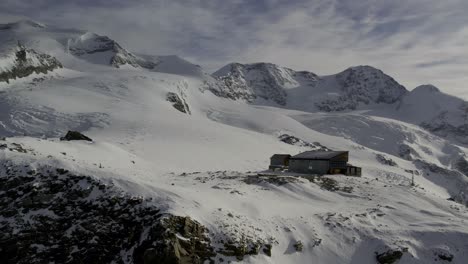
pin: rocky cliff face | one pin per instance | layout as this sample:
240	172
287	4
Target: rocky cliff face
22	62
250	82
363	85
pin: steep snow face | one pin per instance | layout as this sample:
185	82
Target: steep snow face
439	113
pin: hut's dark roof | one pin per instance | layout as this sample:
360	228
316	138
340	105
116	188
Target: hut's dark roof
281	156
318	155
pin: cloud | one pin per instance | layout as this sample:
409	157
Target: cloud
418	41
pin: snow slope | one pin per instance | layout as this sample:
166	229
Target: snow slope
203	163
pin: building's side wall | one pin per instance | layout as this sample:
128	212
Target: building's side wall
309	166
278	161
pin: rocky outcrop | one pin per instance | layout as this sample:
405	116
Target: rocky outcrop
50	215
75	135
298	246
385	160
175	240
389	257
178	102
245	248
292	140
26	62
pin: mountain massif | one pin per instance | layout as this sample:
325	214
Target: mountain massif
174	168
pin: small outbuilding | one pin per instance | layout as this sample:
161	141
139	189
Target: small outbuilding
279	161
316	162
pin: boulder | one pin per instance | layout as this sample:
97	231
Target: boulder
75	135
389	257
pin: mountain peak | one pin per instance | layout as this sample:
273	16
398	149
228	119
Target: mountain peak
426	88
363	67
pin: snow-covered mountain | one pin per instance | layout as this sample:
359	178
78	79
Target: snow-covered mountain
175	169
348	90
356	88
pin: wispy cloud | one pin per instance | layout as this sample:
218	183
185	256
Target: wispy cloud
417	41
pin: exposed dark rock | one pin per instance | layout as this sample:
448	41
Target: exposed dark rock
17	148
53	216
298	246
238	250
445	256
245	248
267	249
292	140
28	62
75	135
389	257
384	160
178	102
176	240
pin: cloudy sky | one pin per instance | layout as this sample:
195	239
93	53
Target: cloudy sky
415	41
